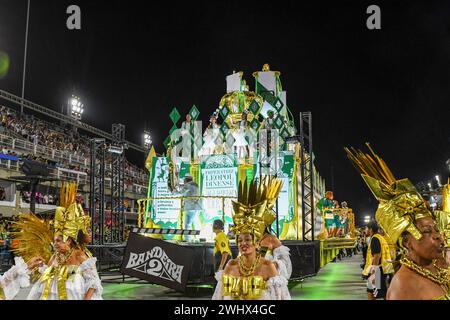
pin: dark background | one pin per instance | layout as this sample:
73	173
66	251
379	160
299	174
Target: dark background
133	62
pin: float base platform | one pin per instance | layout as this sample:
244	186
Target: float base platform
329	248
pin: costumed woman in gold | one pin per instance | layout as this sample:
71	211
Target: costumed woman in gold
70	273
250	276
404	217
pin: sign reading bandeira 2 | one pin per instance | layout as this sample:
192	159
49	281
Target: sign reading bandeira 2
157	261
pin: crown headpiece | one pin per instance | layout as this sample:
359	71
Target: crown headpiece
69	216
253	210
400	204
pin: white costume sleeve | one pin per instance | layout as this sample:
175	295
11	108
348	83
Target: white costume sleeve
277	289
218	294
15	278
282	260
88	270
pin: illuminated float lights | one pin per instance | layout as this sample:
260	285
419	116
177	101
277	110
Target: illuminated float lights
166	231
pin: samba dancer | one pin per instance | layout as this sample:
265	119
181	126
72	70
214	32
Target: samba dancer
70	273
404	216
250	276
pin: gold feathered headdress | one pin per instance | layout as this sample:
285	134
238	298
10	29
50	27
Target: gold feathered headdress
400	204
252	211
35	236
69	216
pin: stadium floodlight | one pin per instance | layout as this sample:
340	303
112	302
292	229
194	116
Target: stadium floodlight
76	107
147	140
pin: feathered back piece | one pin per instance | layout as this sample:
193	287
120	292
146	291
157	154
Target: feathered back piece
35	237
400	203
446	197
252	211
443	216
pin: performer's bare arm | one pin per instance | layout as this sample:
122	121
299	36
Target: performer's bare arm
223	260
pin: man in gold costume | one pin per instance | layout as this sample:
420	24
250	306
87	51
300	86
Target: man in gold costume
250	276
405	218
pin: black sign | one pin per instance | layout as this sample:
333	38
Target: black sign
157	261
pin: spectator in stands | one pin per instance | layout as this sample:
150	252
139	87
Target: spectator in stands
59	143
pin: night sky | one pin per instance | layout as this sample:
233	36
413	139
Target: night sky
132	62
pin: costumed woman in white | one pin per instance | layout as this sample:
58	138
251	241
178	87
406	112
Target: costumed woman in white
240	144
250	276
70	273
211	134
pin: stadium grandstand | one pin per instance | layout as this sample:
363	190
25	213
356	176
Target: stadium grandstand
66	153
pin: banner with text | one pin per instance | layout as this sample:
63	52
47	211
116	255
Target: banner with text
164	212
219	178
157	261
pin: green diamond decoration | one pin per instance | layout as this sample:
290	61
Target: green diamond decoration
167	142
224	128
279	123
255	124
269	97
194	113
224	112
174	115
254	107
284	133
278	104
174	127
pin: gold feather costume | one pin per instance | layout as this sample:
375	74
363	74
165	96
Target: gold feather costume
35	236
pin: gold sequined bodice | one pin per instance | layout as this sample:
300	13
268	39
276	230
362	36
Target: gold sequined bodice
243	288
443	297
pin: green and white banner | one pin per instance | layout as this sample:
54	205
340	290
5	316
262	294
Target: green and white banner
165	212
219	178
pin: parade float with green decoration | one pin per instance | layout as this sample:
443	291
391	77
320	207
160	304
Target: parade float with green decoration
248	136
